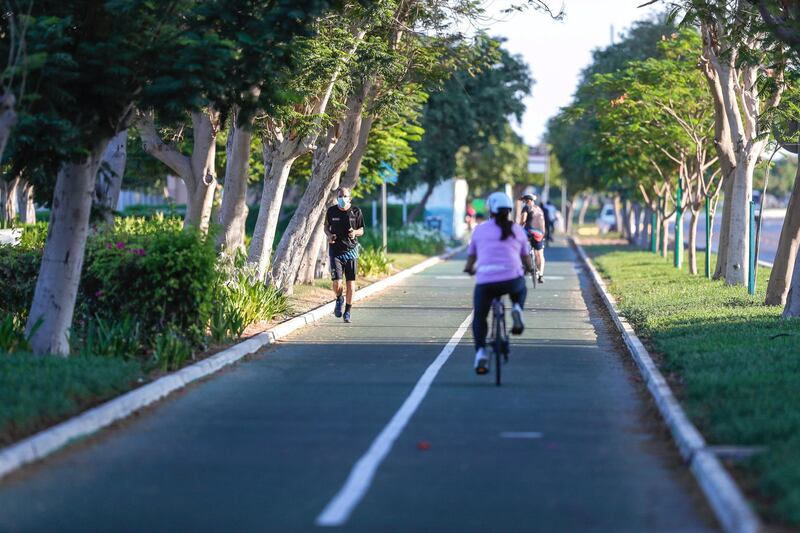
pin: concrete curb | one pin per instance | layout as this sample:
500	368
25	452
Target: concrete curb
729	504
47	441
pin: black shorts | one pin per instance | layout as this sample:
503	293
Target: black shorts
348	267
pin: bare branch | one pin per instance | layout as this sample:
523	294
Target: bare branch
156	147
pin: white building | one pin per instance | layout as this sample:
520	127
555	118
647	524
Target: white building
447	205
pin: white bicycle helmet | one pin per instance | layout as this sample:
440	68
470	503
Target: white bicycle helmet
497	201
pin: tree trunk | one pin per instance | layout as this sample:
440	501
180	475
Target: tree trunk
724	227
8	119
62	259
276	169
233	213
323	261
352	174
664	237
627	213
619	217
792	308
197	171
586	200
420	207
110	174
641	225
205	127
781	277
695	218
738	134
294	242
719	83
26	209
308	265
10	200
570	219
647	228
636	213
325	176
736	264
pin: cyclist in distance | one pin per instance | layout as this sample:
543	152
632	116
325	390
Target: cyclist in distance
532	218
499	254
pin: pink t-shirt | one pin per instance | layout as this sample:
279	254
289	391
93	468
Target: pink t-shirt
498	260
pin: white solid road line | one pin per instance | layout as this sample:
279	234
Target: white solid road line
355	488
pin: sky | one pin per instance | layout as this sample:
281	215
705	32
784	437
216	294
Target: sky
556	52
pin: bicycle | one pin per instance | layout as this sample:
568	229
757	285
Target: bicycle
499	340
534	270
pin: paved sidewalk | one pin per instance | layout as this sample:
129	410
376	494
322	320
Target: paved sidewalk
567	444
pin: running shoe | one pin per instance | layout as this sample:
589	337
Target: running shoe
481	362
347	316
540	279
337	311
519	325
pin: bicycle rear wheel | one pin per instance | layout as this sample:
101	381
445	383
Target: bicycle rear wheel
499	332
534	272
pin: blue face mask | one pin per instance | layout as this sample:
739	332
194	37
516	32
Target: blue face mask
343	202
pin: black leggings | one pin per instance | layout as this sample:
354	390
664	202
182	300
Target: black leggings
482	302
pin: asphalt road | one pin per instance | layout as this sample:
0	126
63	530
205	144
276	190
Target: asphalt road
569	443
770	235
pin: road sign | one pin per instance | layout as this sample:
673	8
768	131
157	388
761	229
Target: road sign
537	164
387	173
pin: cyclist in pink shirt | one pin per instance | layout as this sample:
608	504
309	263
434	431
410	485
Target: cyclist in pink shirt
499	256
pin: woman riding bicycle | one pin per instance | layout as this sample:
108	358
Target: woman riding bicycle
499	249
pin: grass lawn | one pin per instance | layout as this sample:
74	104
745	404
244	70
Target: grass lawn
404	261
36	391
736	364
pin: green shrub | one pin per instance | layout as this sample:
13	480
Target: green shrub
12	334
373	262
132	228
154	273
19	269
226	322
109	338
412	239
33	236
171	350
149	211
242	299
394	213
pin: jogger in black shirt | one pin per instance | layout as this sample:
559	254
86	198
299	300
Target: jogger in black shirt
344	223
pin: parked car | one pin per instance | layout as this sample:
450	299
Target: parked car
606	221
